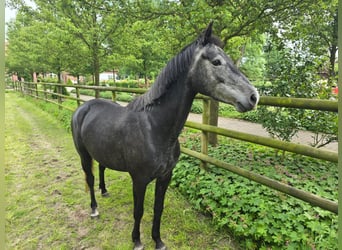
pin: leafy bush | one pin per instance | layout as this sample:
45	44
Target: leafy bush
197	107
262	217
292	74
64	92
225	110
120	96
125	97
124	83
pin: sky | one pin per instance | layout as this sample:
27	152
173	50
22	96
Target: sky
9	15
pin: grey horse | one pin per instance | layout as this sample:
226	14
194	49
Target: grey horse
142	138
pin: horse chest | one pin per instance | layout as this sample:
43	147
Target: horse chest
153	158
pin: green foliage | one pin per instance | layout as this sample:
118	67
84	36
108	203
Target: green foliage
253	60
292	74
48	79
225	110
262	218
197	107
134	36
57	89
124	83
121	96
325	126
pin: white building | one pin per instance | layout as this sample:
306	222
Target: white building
108	75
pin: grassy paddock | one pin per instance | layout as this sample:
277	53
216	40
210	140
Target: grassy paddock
47	207
51	192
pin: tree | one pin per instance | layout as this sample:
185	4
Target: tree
315	32
90	21
294	73
26	43
298	52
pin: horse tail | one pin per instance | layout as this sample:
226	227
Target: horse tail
78	117
85	177
76	125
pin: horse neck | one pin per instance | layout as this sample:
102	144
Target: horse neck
170	112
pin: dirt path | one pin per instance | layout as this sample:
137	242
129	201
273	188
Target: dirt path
47	207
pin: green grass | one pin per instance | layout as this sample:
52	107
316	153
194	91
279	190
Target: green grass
47	207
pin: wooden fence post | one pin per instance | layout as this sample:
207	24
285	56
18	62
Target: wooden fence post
78	96
36	87
45	94
204	139
114	96
21	88
59	92
213	120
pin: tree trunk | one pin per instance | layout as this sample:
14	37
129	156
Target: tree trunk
59	76
96	65
333	49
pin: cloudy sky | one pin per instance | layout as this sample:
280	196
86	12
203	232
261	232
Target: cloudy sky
9	14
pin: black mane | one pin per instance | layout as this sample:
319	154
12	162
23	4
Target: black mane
176	67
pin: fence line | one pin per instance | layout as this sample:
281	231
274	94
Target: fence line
31	89
269	142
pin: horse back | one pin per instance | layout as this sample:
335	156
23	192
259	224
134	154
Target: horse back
122	139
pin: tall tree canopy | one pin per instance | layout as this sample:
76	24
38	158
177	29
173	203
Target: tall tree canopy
88	36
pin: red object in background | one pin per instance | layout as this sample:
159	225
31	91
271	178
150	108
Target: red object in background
335	90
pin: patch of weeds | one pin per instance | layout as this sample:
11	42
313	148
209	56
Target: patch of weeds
260	217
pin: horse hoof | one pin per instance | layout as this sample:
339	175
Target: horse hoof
95	214
106	194
160	246
139	247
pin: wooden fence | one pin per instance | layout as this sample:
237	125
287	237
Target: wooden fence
54	93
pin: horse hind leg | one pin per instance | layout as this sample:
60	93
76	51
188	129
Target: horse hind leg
102	184
87	165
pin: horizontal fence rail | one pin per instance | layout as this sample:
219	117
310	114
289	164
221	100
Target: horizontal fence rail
299	103
49	90
265	141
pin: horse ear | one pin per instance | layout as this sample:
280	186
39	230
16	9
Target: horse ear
207	34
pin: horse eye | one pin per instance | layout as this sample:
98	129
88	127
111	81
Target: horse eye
216	62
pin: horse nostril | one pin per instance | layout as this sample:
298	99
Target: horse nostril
254	99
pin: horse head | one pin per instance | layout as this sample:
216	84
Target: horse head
214	74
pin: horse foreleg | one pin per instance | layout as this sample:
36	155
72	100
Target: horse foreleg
139	190
102	184
162	184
